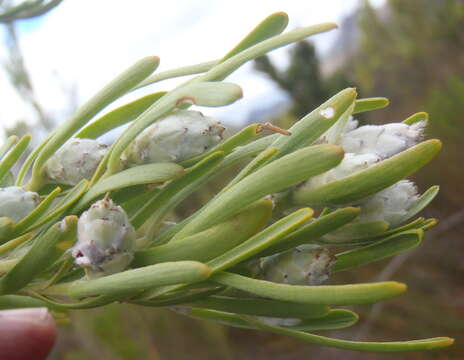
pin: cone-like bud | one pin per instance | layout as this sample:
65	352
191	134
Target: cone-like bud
177	137
76	160
105	239
16	203
391	204
304	265
382	140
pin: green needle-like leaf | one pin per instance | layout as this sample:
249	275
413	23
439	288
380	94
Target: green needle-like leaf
392	245
313	231
142	174
355	232
13	156
118	117
335	319
147	277
369	104
45	249
271	26
271	178
176	191
414	118
6	228
262	307
264	239
310	128
8	144
421	203
62	205
371	180
322	294
212	242
396	346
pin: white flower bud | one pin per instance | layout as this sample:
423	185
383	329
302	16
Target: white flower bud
351	164
16	203
179	136
304	265
390	204
76	160
105	239
382	140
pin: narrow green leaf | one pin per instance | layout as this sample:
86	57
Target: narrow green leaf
142	174
13	243
421	203
257	162
182	71
176	298
261	241
271	178
29	160
396	346
176	191
114	90
322	294
245	152
371	180
18	301
392	245
6	228
310	128
65	203
224	69
414	118
261	307
210	93
8	144
271	26
118	117
335	319
313	231
13	156
369	104
147	277
355	232
45	249
212	242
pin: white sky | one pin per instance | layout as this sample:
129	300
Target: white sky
86	43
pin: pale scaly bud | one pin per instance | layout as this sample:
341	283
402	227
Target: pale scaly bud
16	203
177	137
304	265
390	204
351	164
382	140
105	239
76	160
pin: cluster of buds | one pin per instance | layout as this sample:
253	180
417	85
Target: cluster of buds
102	239
366	146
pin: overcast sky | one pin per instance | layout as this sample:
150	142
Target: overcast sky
83	44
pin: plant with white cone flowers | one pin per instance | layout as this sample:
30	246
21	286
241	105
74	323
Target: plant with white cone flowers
102	240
